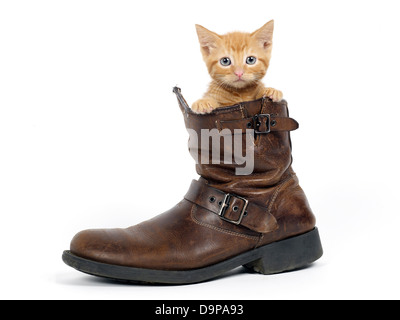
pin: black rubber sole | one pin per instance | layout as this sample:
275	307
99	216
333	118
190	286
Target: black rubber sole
277	257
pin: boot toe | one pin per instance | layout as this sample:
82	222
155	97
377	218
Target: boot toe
102	245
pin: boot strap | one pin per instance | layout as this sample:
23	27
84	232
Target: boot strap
260	123
232	208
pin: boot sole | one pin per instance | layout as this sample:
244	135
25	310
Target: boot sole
285	255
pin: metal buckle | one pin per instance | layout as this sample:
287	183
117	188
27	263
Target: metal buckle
258	121
225	205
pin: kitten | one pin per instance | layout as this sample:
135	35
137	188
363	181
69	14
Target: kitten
236	63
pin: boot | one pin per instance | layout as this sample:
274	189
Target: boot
260	220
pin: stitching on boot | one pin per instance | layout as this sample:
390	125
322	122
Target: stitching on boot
263	105
219	229
259	241
241	110
218	125
278	189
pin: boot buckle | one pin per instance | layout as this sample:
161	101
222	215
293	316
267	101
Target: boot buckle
262	123
226	203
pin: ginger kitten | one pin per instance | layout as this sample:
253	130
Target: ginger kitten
236	63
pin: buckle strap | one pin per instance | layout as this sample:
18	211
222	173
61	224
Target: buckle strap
261	123
232	208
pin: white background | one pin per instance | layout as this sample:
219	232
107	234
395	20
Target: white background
91	136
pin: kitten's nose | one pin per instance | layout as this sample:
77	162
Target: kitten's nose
239	73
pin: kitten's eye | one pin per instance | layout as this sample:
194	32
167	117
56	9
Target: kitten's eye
225	62
251	60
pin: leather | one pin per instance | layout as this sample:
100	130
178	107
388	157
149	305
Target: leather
275	124
193	234
238	211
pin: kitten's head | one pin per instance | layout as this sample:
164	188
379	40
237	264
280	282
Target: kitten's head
237	60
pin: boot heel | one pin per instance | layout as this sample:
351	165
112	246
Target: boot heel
289	254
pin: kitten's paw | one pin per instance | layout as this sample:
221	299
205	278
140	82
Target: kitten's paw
273	94
203	106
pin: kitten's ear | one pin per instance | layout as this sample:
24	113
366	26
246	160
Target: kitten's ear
264	34
208	39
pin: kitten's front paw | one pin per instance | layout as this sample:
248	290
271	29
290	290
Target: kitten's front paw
273	94
203	106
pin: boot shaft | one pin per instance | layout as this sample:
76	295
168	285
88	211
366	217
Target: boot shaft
251	141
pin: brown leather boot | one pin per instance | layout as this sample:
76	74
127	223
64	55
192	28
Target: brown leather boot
261	220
